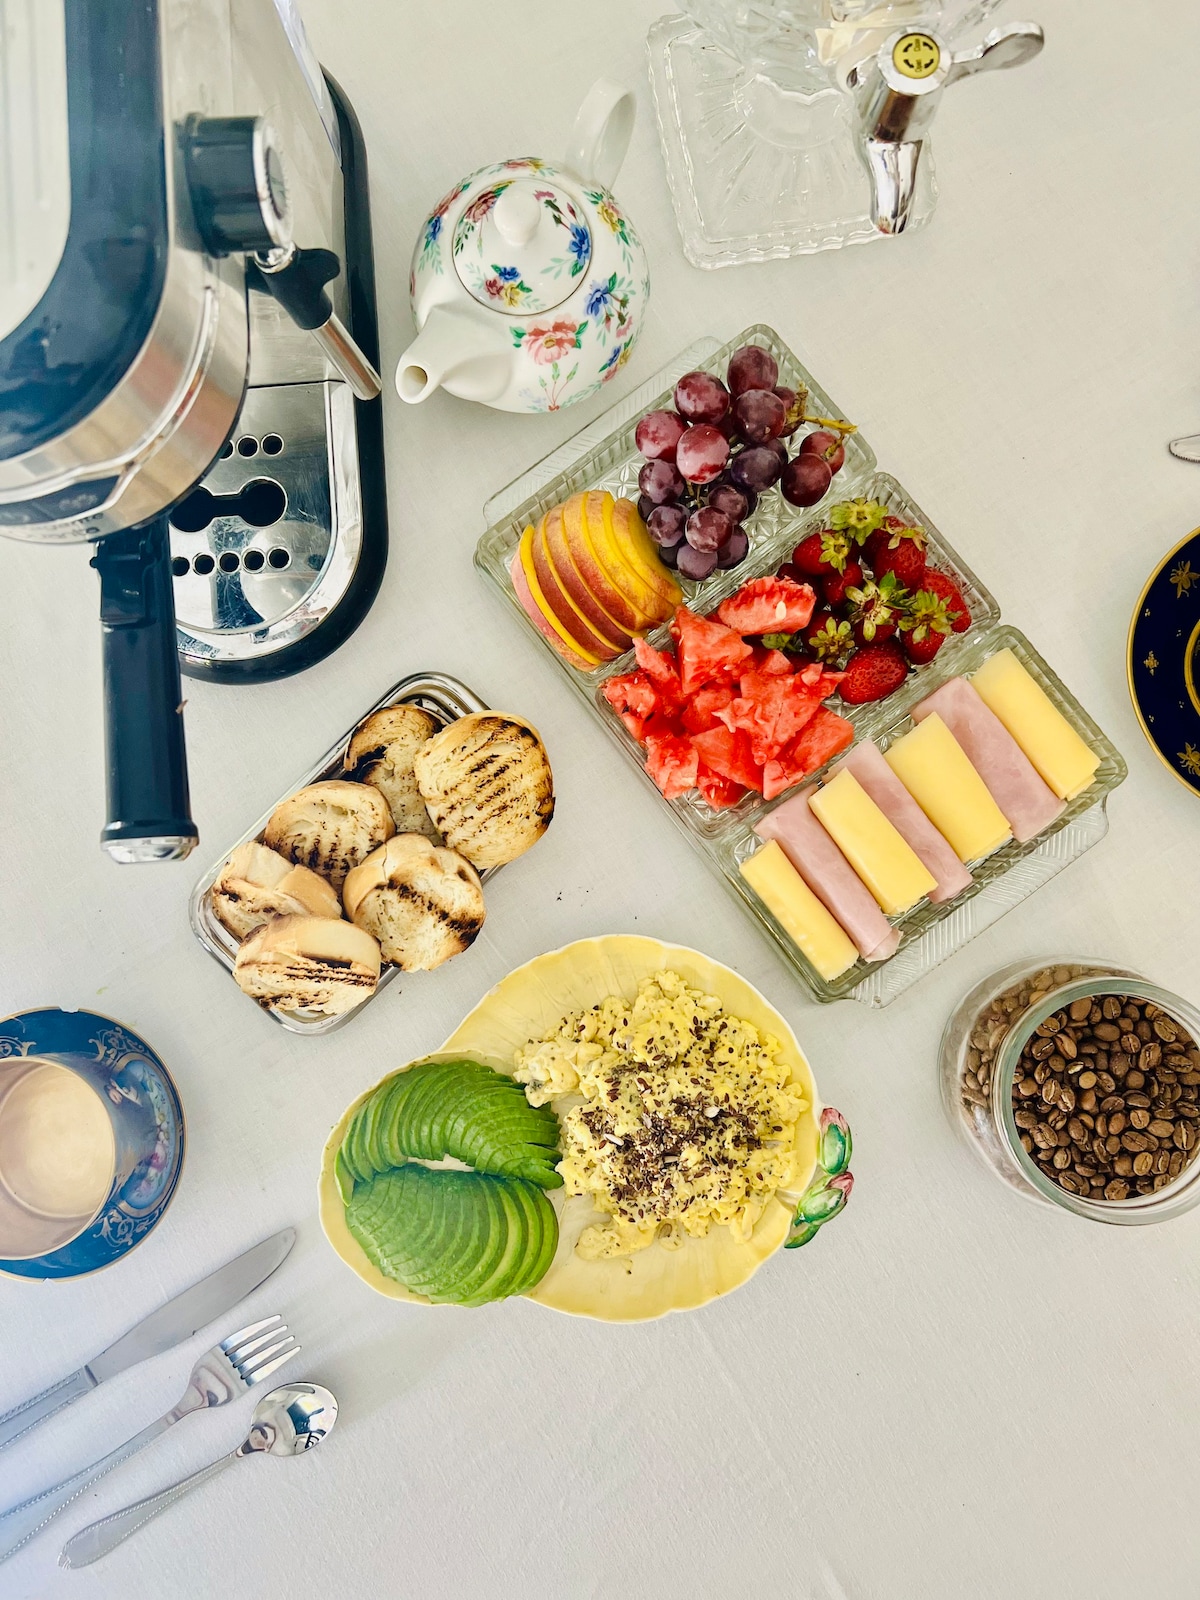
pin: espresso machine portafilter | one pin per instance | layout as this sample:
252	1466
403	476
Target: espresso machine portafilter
188	356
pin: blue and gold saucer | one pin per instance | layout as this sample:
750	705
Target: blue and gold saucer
1164	661
91	1142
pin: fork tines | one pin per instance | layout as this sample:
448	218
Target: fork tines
257	1351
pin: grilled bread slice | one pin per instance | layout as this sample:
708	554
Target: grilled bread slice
330	827
256	884
381	753
308	964
423	903
488	786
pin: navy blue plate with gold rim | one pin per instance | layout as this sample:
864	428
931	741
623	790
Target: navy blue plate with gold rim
1164	660
81	1094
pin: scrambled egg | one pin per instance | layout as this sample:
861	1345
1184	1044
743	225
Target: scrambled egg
688	1116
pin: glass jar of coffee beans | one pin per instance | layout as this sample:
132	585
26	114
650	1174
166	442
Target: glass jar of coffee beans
1078	1083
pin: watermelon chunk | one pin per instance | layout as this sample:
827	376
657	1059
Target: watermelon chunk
707	650
663	672
672	761
729	754
773	662
768	605
707	708
773	710
632	697
721	793
825	736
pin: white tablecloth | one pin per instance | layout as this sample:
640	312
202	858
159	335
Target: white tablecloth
952	1393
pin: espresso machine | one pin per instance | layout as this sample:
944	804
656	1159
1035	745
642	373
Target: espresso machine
188	354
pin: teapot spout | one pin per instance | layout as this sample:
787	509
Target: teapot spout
457	351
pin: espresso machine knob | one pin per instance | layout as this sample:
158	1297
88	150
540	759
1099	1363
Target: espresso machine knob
235	177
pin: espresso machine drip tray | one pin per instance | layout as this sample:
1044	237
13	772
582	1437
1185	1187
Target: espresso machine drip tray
269	541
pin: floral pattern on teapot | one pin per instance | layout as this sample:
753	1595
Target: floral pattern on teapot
575	348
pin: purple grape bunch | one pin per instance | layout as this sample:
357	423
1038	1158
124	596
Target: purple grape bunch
724	445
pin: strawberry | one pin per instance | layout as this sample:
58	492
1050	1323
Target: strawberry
821	553
957	608
905	561
921	651
829	638
889	529
833	587
857	519
876	608
926	613
873	672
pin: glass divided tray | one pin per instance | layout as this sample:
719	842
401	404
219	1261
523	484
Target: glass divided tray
604	456
444	698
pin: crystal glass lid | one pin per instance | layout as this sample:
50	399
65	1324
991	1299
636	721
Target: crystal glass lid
521	245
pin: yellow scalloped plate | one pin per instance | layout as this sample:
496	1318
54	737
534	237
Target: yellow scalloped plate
526	1005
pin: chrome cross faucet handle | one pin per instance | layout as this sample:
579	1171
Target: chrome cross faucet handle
898	92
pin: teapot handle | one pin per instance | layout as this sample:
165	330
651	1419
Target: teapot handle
601	133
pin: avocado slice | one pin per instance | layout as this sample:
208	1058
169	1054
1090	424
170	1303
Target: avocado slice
516	1238
390	1146
377	1124
541	1263
527	1196
353	1147
343	1177
493	1245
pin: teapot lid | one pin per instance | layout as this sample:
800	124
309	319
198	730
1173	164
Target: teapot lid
521	245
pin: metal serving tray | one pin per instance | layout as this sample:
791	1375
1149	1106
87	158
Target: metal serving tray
444	698
604	456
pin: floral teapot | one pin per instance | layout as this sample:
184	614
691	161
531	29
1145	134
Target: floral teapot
528	283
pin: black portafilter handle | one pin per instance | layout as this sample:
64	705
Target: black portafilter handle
149	813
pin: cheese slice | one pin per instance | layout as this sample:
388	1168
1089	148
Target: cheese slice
812	929
931	765
876	849
1062	758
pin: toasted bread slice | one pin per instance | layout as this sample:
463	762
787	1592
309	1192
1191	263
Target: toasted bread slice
308	964
488	785
256	884
381	753
330	827
423	903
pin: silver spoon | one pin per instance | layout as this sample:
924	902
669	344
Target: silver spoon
291	1419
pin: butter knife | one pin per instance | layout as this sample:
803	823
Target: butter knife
1187	449
172	1323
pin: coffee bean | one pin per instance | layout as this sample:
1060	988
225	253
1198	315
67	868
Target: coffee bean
1108	1031
1135	1141
1117	1189
1026	1119
1165	1029
1142	1163
1161	1128
1042	1048
1080	1009
1139	1118
1111	1006
1130	1043
1067	1046
1087	1080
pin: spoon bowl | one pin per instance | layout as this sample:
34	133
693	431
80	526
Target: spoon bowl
291	1419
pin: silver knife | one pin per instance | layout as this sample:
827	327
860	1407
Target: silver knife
1187	449
181	1317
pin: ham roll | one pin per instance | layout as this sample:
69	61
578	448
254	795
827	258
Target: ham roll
866	763
830	876
1028	803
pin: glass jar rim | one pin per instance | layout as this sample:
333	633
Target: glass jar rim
1174	1198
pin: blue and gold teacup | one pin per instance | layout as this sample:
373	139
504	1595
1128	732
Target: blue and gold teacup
91	1142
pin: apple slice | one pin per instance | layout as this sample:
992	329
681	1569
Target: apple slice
623	596
604	621
525	586
633	541
557	593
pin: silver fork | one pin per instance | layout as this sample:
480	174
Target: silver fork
222	1374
